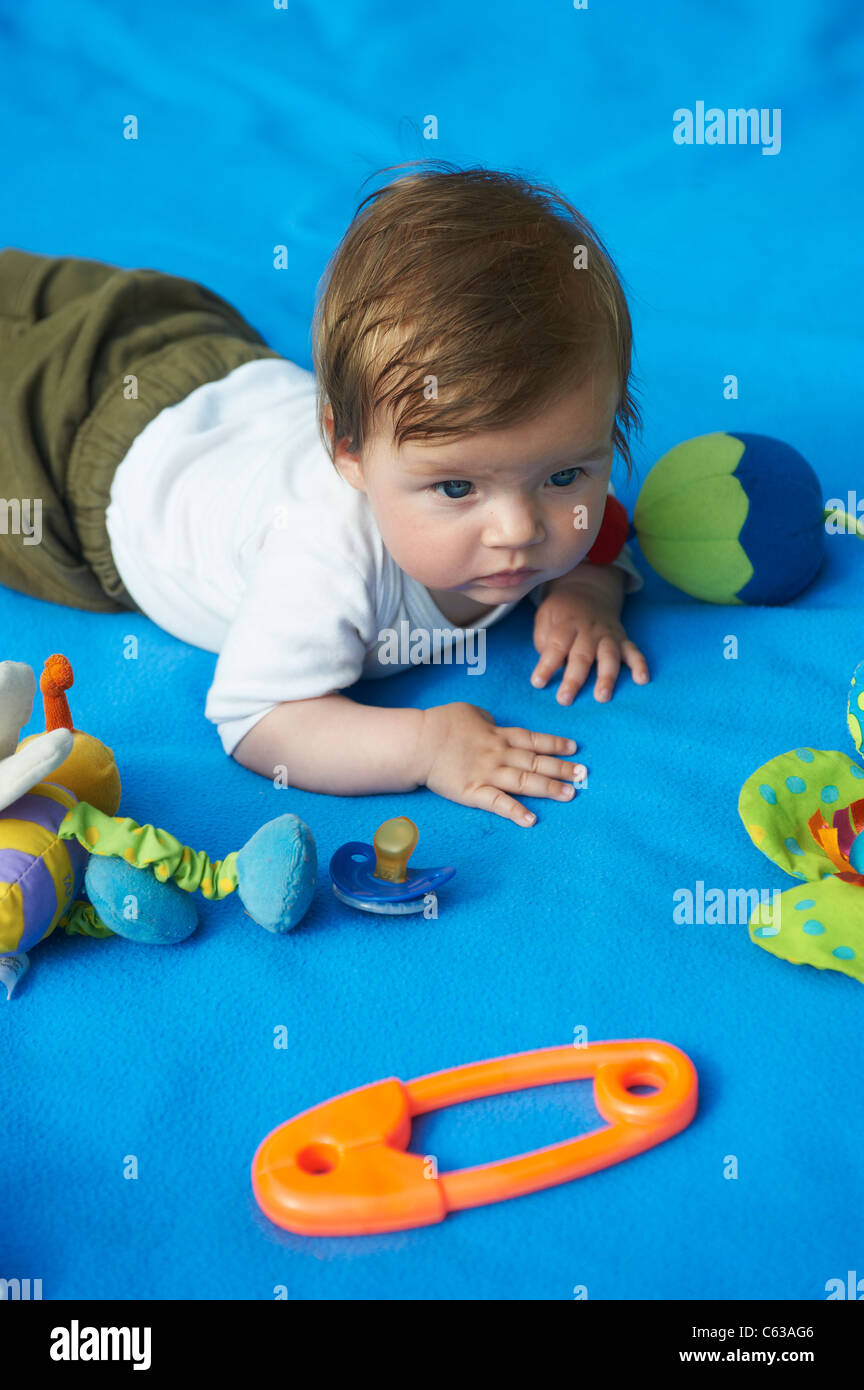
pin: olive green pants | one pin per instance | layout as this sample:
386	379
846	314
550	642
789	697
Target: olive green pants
89	355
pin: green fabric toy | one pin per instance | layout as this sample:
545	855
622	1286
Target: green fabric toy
736	518
784	805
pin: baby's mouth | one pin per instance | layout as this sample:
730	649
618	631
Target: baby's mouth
506	578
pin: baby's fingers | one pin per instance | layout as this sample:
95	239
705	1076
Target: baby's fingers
539	743
579	663
530	783
608	666
552	657
636	661
524	760
500	804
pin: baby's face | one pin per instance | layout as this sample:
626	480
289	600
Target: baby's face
492	515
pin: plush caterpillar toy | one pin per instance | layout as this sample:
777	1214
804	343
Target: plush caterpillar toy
59	834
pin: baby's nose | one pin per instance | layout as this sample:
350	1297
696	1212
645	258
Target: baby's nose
514	524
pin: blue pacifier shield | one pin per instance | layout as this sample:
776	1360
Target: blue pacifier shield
352	870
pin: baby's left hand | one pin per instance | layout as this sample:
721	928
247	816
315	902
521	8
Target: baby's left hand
576	629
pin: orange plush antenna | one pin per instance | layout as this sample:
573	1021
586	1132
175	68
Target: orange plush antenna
55	680
90	771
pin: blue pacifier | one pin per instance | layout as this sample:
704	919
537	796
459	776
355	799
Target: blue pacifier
375	877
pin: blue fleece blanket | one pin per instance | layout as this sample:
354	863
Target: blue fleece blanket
257	127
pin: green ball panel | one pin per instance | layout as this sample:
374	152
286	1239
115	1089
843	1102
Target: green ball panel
707	456
710	570
713	509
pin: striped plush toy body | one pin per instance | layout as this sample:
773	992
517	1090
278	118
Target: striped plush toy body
41	780
40	875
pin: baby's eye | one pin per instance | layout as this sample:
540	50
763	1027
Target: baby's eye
457	484
565	477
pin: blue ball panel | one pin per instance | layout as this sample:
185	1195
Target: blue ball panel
784	533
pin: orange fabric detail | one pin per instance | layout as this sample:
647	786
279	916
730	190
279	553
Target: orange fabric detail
55	680
826	837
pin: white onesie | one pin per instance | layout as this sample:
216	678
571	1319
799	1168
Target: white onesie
231	529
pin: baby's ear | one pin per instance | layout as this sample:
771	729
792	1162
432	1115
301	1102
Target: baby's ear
349	465
346	463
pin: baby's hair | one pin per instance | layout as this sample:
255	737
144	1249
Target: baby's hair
459	300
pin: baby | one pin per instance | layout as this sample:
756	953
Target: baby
450	455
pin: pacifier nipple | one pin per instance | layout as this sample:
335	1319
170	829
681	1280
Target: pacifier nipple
394	843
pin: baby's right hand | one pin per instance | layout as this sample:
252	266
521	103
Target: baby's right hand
465	757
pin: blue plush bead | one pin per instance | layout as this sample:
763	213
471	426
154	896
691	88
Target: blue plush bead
164	914
276	873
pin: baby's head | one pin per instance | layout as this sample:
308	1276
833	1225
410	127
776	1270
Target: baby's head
472	346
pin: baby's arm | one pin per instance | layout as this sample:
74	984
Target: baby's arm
331	744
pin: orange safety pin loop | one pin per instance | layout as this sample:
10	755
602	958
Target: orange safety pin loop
342	1168
637	1122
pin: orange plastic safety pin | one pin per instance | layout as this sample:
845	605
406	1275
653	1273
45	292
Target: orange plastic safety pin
341	1168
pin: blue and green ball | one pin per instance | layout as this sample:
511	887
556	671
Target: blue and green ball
733	518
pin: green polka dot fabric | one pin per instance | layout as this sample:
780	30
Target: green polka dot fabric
81	920
855	708
805	811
